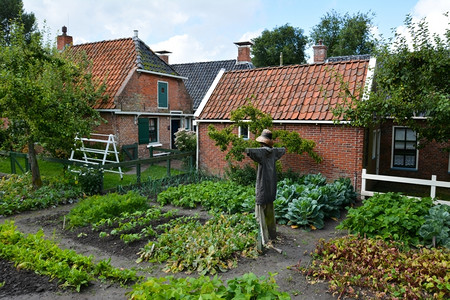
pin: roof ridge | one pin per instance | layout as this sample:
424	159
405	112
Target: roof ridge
205	62
104	41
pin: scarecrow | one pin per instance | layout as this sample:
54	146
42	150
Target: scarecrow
266	183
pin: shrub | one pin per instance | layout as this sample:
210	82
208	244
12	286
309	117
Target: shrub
185	140
389	216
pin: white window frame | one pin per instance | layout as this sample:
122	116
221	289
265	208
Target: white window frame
392	151
248	133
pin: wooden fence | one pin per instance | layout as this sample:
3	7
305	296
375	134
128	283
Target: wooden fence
433	183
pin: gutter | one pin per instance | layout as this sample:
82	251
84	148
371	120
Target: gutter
317	122
160	74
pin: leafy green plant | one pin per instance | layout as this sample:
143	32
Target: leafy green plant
309	200
43	256
225	196
187	245
96	208
366	267
247	286
389	216
436	228
17	194
90	180
127	223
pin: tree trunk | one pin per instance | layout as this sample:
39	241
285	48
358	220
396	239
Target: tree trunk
35	173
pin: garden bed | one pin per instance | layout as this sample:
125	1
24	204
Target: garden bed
295	244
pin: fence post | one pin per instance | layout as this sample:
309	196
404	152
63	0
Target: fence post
138	173
433	186
363	184
168	167
13	165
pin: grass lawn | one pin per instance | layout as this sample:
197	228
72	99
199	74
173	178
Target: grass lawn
110	180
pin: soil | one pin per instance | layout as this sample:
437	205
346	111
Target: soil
296	244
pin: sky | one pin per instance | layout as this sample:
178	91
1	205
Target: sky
205	30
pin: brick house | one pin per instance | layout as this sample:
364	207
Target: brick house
294	97
148	101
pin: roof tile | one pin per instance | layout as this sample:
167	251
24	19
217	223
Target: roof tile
288	92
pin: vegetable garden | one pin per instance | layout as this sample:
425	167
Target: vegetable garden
197	236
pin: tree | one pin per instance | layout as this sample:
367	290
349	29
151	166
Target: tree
345	35
11	11
256	121
45	95
411	81
285	39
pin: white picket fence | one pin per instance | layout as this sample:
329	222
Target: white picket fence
433	183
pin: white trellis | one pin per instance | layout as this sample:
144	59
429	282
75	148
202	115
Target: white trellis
110	148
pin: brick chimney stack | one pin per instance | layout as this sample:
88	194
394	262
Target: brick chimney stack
320	52
244	51
64	40
164	55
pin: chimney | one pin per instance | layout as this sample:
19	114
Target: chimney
64	40
164	55
320	52
243	51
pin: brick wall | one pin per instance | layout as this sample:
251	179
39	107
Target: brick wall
140	95
341	148
433	160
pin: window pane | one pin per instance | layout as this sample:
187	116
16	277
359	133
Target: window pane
410	161
398	160
399	145
410	135
399	134
410	145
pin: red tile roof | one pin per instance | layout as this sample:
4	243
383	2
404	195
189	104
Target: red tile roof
113	61
286	93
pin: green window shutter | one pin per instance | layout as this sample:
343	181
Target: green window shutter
144	134
162	94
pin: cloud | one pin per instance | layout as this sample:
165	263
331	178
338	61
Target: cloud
433	12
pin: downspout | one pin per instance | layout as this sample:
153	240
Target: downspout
196	150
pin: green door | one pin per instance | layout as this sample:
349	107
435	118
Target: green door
162	94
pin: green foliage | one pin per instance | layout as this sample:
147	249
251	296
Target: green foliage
90	180
245	175
309	200
95	208
46	95
225	196
12	11
411	80
185	140
251	117
248	286
187	245
284	39
33	252
127	223
369	268
389	216
345	34
17	194
437	226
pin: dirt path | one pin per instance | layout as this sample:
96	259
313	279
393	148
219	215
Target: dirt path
295	244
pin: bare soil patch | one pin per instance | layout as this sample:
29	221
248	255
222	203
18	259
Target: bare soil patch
296	244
